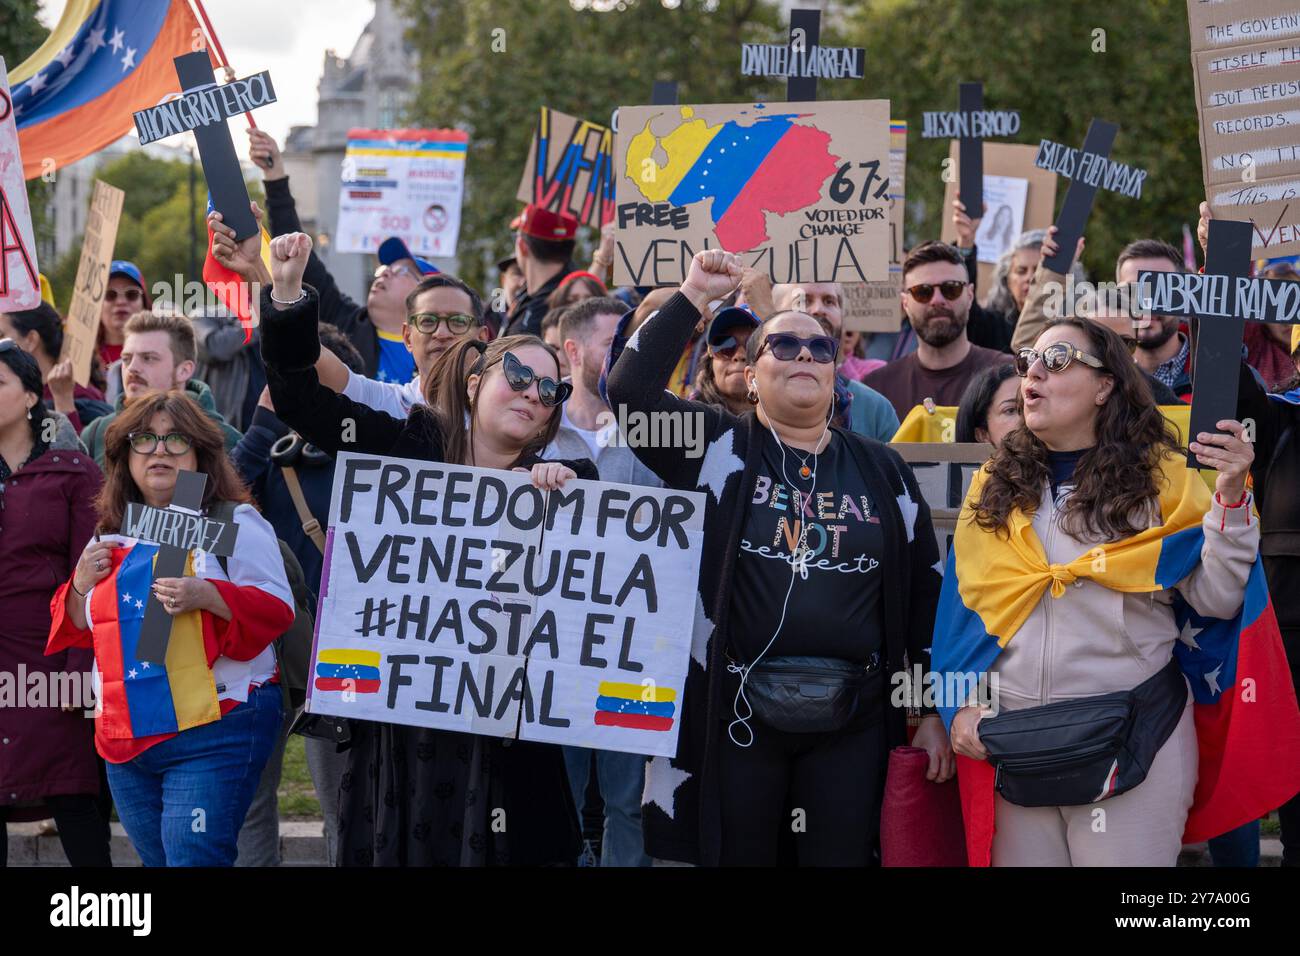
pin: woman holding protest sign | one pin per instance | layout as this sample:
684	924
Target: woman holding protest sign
185	741
826	576
414	796
1092	576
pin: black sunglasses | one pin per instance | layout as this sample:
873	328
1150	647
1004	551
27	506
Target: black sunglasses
519	376
924	292
786	347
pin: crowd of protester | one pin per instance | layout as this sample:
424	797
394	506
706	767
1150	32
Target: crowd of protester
525	378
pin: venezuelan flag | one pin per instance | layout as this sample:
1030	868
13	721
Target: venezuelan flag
350	670
745	170
636	706
143	699
229	286
1247	722
105	60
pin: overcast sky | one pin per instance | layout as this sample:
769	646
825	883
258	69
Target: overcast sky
287	37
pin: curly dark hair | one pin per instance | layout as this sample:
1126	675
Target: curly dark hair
1116	480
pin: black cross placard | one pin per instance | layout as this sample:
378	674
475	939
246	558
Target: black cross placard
664	93
971	124
1076	209
802	60
176	529
203	109
1219	302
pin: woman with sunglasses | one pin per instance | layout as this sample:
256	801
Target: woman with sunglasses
47	756
185	740
824	575
1064	582
720	374
413	796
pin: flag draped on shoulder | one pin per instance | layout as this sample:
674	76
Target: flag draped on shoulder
143	699
1247	722
103	61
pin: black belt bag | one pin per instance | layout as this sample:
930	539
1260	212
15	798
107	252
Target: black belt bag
815	695
1081	751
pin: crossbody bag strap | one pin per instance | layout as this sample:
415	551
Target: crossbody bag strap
309	523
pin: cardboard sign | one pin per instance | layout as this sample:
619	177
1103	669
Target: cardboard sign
402	182
466	599
1003	161
570	168
943	473
202	107
20	284
1245	63
877	306
176	529
798	190
82	325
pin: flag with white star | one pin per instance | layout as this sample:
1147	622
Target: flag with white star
103	61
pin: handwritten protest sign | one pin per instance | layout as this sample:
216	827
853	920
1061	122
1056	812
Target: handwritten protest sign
876	306
570	168
799	190
402	182
466	599
1244	59
20	286
82	325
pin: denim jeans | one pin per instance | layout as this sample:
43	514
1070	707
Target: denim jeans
1239	847
259	837
622	778
183	801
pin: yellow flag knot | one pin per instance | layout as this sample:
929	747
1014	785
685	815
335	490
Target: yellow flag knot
1062	577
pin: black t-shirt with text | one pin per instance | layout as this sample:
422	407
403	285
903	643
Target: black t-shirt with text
834	608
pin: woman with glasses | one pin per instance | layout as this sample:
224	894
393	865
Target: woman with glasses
185	740
822	587
414	796
1084	546
47	756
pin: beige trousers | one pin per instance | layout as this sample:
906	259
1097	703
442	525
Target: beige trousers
1143	827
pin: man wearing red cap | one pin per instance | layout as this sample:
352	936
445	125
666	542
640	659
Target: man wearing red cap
543	251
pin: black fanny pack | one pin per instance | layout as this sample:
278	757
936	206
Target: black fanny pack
1081	751
814	695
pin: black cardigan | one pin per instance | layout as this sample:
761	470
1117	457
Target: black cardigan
543	822
681	812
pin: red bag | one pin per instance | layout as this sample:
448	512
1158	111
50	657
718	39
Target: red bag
920	821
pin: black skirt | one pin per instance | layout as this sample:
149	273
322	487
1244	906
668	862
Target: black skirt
411	796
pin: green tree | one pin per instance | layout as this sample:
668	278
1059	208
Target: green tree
157	214
1040	59
486	66
20	32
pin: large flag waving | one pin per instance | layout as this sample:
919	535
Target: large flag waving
105	59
